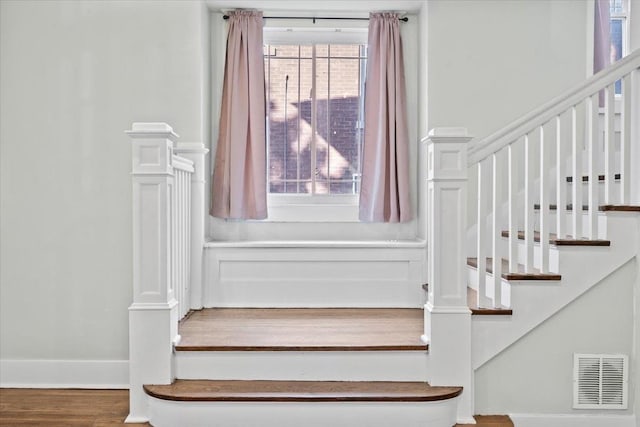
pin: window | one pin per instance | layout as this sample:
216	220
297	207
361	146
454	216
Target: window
315	117
618	24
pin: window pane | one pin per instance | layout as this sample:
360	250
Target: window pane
616	26
322	125
314	145
345	115
286	160
348	50
616	6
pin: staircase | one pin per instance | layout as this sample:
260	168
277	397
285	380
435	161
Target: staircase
554	216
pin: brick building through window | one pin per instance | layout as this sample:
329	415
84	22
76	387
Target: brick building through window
315	117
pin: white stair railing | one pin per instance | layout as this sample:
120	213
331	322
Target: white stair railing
168	240
181	232
533	157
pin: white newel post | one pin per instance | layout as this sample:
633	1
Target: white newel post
195	151
153	315
447	316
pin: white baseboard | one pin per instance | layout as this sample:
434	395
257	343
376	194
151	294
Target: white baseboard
96	374
573	420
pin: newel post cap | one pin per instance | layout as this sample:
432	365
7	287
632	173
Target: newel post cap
152	129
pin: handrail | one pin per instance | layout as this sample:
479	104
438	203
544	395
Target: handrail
182	163
481	148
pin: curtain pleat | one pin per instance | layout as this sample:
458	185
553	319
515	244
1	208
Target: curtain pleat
601	41
384	192
602	37
238	189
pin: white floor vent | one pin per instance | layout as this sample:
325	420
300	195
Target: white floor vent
600	381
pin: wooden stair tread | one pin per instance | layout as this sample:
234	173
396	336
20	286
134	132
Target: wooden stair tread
601	208
569	241
303	329
489	421
520	275
300	391
620	208
473	306
472	300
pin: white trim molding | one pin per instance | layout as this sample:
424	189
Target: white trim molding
573	420
89	374
314	274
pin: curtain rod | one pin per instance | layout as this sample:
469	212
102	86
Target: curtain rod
314	18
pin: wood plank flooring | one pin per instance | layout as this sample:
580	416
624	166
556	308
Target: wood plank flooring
99	408
300	391
46	407
302	329
490	421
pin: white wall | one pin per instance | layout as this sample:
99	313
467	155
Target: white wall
535	374
491	61
74	75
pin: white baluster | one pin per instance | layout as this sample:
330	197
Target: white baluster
187	235
180	204
544	204
483	193
561	182
625	141
592	138
496	232
174	233
512	211
528	204
183	238
576	171
195	152
188	244
609	144
176	237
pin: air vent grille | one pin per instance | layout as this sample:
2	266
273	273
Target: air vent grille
600	381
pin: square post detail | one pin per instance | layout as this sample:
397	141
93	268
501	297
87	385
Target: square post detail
447	316
153	315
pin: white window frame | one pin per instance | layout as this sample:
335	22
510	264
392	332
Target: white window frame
624	17
313	207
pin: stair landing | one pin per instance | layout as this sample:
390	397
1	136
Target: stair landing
302	329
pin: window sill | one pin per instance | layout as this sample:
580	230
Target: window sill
397	244
322	208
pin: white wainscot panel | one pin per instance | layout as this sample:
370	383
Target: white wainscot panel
315	274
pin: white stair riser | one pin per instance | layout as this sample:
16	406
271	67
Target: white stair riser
567	222
296	414
303	365
553	255
505	285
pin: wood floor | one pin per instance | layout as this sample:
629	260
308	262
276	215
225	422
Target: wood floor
306	329
96	408
41	407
